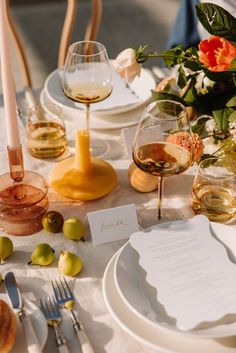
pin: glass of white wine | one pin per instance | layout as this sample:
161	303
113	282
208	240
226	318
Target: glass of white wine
87	79
45	131
214	189
162	147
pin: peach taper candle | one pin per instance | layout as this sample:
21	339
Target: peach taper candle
13	138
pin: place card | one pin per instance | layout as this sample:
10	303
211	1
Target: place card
113	224
190	269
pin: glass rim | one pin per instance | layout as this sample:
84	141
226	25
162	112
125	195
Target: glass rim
103	48
152	104
203	170
43	108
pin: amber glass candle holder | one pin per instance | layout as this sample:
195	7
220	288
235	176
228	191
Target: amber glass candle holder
23	198
82	177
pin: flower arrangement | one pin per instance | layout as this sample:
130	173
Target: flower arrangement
205	81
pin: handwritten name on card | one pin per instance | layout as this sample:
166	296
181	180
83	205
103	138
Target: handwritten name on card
113	224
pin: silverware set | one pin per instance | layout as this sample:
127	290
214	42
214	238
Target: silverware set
51	306
64	295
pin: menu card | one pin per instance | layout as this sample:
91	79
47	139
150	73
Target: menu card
191	270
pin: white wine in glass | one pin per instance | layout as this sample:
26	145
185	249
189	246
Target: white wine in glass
157	150
87	79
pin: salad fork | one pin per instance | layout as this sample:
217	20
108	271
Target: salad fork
63	295
52	314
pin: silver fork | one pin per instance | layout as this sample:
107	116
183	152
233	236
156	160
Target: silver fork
63	295
52	314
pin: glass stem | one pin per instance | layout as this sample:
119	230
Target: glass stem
88	116
159	196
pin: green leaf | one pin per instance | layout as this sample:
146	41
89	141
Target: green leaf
216	20
221	118
199	127
166	95
192	51
192	65
233	65
191	93
232	116
218	76
231	102
182	78
173	56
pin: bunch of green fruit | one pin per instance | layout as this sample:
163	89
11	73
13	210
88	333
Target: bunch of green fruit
69	264
72	228
6	248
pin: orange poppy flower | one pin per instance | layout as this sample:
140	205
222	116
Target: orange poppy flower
216	53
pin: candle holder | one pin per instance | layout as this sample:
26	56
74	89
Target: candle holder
83	177
23	197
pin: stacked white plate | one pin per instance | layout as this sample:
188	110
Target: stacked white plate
122	109
133	304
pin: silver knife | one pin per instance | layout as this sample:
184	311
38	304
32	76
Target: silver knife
17	303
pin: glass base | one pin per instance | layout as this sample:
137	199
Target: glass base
22	204
148	217
73	183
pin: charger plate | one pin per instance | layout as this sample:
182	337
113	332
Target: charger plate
139	89
162	340
108	122
141	298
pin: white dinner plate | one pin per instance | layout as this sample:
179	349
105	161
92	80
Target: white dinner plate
108	122
155	336
38	321
124	97
141	298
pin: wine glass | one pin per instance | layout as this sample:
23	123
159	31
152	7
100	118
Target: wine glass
87	79
163	147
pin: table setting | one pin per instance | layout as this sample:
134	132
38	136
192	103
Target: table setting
96	253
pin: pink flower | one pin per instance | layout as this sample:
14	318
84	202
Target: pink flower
126	65
192	143
216	53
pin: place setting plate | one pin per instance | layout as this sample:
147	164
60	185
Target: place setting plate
124	96
133	304
108	122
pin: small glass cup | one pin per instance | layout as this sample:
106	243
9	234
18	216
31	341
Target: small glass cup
45	131
214	189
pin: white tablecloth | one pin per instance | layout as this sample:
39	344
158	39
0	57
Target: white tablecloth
103	331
